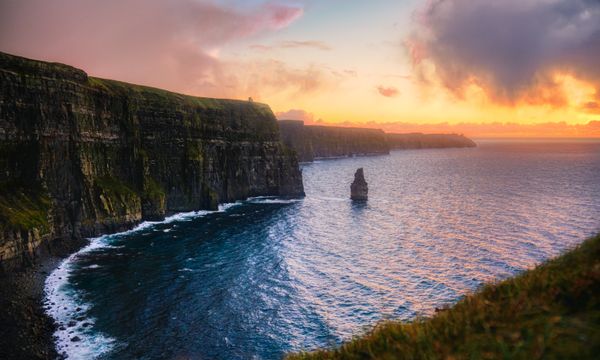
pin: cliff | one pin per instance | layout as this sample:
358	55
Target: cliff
426	141
311	141
82	156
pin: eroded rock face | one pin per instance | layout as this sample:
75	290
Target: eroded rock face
81	156
359	190
312	141
428	141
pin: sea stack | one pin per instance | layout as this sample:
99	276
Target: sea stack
359	189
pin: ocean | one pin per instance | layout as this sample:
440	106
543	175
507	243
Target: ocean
267	276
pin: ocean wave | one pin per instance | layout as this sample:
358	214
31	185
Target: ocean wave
271	200
74	336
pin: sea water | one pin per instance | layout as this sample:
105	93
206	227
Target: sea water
267	276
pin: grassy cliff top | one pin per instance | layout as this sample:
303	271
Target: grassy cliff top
550	312
123	88
29	67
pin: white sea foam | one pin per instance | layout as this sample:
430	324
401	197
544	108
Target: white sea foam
271	200
75	336
69	311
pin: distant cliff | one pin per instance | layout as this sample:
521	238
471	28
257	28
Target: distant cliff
82	156
425	141
311	141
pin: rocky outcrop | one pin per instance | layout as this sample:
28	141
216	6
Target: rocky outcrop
82	156
428	141
359	189
313	142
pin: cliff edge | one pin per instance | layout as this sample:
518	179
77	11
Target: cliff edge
82	156
428	141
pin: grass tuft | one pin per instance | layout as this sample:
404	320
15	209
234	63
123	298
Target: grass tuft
24	209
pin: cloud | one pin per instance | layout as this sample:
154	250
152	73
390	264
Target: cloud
293	44
388	91
169	44
265	77
592	107
296	114
319	45
512	49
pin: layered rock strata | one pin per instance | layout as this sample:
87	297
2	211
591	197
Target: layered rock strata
82	156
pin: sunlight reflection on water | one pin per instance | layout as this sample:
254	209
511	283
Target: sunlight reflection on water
268	277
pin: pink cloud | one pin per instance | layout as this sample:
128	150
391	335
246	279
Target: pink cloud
293	44
264	78
168	44
388	91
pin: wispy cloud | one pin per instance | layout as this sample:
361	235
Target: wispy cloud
293	44
264	77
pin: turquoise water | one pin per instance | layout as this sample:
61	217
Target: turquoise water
267	276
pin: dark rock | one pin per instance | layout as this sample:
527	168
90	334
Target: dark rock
317	141
359	189
75	339
428	141
82	156
313	141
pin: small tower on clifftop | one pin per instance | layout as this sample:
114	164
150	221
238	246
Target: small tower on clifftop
359	189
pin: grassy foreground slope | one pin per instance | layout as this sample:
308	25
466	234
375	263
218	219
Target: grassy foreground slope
550	312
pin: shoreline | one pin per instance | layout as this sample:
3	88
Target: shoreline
22	294
28	331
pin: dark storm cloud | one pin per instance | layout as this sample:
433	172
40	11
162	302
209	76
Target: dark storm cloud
510	48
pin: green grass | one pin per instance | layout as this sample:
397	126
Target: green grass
24	209
115	189
164	96
114	186
550	312
153	190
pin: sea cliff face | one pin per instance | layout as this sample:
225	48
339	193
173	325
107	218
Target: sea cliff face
311	141
428	141
82	156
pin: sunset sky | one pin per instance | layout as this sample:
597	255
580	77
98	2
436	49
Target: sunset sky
482	67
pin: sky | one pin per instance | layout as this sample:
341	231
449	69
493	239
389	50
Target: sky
489	68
